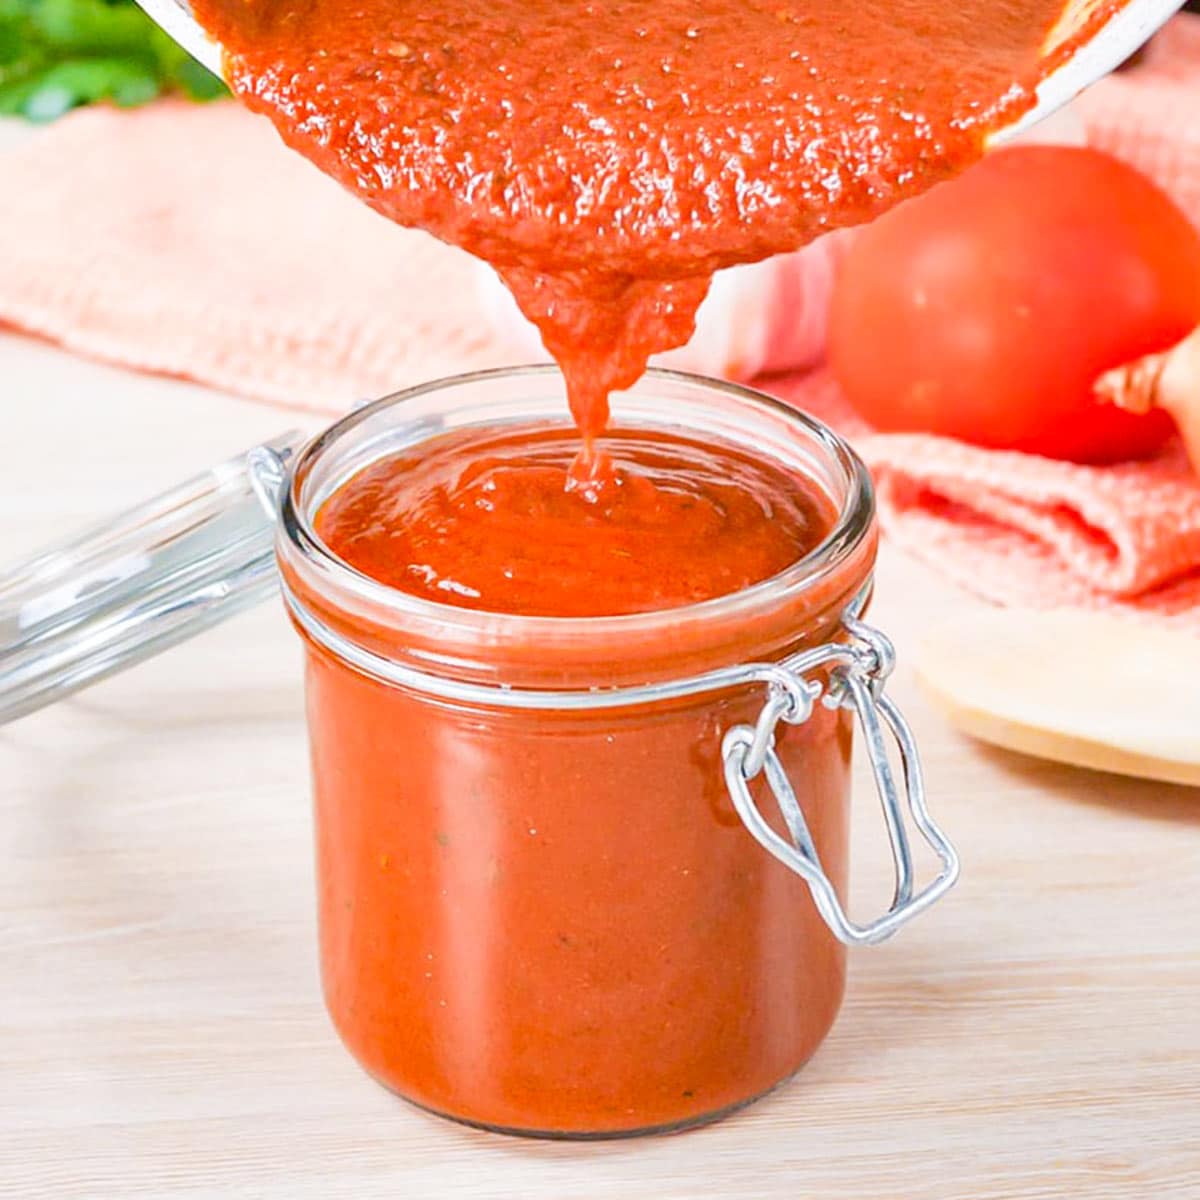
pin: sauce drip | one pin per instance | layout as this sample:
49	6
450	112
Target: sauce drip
606	158
492	521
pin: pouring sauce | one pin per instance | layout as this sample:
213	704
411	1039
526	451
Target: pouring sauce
553	921
607	158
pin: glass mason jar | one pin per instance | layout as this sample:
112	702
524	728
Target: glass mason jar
576	876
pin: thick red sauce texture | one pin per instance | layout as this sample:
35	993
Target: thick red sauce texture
554	920
493	520
606	158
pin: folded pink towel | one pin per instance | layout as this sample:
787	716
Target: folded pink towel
187	240
1023	530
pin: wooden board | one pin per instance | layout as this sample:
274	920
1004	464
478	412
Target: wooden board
161	1028
1077	687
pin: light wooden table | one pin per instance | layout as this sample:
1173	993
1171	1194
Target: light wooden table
161	1032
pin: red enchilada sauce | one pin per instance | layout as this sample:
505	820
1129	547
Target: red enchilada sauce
552	920
607	157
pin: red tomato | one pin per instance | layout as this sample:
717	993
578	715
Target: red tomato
986	309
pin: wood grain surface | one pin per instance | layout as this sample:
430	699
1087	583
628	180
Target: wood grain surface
161	1028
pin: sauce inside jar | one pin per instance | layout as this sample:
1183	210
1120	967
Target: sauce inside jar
494	521
551	919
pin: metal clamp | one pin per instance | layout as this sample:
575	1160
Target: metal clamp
856	673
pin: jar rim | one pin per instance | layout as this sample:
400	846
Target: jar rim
856	508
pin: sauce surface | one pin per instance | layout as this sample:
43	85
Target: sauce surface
493	521
606	158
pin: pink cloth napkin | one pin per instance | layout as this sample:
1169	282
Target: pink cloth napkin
1022	530
186	240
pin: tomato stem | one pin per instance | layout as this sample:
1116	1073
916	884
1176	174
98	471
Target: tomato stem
1169	380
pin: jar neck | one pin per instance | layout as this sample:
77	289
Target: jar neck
800	607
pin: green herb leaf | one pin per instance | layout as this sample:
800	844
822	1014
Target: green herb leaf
58	54
89	25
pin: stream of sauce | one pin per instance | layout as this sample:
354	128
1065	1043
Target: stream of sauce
607	157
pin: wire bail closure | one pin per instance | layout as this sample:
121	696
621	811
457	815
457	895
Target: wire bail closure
857	674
